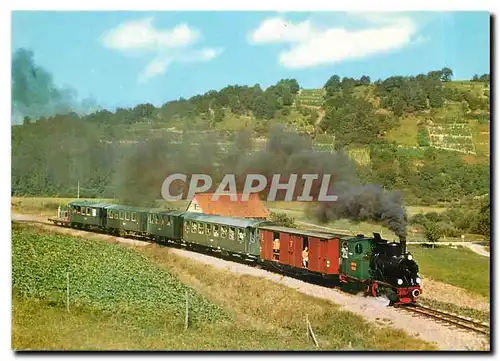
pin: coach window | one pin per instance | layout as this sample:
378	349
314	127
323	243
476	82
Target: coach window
121	215
201	228
186	227
231	233
208	229
133	216
127	215
241	235
216	231
94	212
194	227
223	232
358	248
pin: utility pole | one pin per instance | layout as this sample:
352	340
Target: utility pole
78	189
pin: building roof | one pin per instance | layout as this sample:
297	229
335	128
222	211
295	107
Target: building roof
224	206
226	221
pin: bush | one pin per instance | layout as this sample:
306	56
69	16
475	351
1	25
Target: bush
432	231
423	137
283	219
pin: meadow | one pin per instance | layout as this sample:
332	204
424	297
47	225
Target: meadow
459	266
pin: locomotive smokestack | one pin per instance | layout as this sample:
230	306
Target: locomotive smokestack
402	240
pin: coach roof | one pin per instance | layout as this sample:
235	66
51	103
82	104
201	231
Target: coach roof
229	221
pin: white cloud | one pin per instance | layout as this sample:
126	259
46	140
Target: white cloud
279	30
142	35
310	45
160	64
168	45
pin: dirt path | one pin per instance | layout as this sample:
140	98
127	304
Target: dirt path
374	310
479	249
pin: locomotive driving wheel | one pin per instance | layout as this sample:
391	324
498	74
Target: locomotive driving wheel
375	290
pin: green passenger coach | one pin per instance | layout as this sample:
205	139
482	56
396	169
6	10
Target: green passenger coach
85	214
236	235
164	225
125	220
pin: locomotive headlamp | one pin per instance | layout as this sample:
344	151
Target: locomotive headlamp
400	281
410	257
417	280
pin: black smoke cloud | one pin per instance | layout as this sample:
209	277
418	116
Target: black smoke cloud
284	152
34	93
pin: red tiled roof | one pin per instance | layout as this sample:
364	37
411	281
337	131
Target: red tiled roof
224	206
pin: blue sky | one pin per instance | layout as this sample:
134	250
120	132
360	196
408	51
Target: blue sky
127	58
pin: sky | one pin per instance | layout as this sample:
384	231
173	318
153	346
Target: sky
122	59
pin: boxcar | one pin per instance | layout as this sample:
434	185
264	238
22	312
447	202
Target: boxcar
126	219
236	235
326	253
87	214
164	225
286	246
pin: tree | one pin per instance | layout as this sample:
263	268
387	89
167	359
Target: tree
365	80
475	77
446	74
484	78
432	232
218	115
287	98
332	86
26	120
348	85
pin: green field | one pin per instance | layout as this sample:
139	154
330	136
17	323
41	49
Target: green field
460	267
126	298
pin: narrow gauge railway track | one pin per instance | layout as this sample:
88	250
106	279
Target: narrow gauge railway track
448	318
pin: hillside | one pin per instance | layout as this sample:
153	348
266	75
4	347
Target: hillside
427	136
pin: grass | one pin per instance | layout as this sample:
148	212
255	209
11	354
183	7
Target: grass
460	267
406	133
483	316
43	205
230	312
48	205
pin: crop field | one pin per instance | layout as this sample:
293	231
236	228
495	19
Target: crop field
311	97
132	298
456	137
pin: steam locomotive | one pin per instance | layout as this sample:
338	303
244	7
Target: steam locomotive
377	265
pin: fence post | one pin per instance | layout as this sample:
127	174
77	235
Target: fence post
310	331
186	322
67	291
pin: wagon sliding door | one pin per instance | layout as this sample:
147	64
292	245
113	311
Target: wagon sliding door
266	245
323	255
291	249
